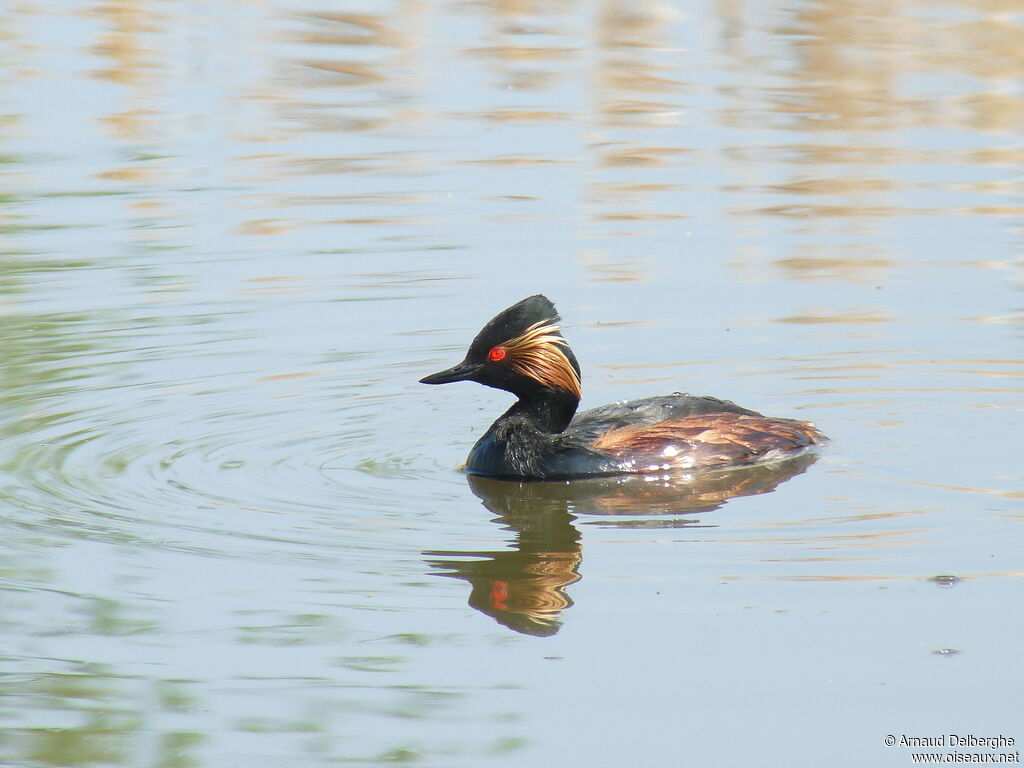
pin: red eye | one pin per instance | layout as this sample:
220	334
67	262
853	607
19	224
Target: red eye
496	354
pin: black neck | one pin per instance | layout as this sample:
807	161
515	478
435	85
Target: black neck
549	411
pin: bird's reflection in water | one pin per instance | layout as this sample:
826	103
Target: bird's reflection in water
525	588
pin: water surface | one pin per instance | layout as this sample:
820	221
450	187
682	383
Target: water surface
234	235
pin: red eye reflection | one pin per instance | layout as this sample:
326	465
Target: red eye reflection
496	354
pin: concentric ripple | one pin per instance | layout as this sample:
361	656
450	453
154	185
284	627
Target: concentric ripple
244	469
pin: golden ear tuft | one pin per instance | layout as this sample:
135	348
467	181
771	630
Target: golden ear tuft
539	352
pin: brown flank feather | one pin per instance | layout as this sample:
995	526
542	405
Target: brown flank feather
537	353
709	439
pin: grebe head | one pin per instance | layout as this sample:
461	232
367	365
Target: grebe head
522	351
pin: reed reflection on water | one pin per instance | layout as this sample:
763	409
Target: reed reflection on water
317	122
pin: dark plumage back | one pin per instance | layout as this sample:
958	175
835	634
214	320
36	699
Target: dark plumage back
588	425
708	440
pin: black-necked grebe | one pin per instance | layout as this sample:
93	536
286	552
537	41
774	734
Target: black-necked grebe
523	352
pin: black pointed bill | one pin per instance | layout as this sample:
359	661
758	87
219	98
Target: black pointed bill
460	372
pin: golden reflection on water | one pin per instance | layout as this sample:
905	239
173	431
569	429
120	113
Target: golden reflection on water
816	97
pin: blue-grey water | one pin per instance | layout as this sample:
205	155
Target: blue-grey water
233	236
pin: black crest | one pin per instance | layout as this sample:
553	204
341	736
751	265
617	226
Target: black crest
513	322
